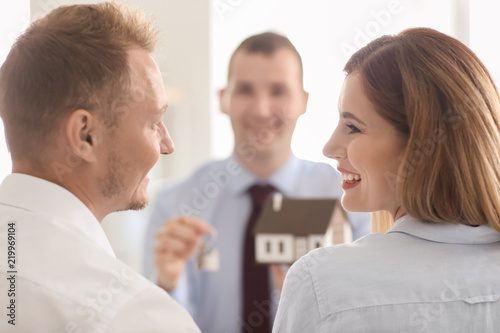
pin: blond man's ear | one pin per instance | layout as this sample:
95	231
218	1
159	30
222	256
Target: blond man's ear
82	135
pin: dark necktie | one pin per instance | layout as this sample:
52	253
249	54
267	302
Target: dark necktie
256	294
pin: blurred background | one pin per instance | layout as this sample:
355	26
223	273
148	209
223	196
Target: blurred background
197	39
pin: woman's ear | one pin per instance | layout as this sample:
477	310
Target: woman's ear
81	129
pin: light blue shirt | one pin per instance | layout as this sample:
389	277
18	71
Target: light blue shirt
217	193
418	277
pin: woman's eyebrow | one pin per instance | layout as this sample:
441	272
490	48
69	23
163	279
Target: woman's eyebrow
348	115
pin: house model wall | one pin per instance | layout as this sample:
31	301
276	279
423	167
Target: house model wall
287	231
285	248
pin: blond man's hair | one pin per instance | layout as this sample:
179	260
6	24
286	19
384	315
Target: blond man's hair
439	96
73	58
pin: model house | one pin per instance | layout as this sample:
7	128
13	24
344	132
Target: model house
289	228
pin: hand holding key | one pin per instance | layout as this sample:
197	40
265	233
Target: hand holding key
176	241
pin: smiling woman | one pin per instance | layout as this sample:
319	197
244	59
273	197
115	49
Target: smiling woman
402	131
366	146
405	94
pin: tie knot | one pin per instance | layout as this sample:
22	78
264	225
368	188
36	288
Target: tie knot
259	194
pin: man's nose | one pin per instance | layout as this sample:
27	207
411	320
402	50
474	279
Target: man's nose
166	144
262	107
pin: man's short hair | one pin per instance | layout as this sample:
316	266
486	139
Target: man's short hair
267	43
73	58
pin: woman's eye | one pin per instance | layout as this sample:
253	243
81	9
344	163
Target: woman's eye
353	129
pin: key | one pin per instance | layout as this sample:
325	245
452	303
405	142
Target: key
208	258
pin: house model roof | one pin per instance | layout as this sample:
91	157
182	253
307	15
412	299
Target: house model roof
300	217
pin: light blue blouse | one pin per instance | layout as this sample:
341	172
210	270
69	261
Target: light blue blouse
418	277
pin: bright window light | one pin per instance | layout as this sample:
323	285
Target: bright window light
484	25
14	18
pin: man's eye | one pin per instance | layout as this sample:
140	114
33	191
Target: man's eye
245	90
278	91
353	129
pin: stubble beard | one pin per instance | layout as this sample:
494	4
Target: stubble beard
113	185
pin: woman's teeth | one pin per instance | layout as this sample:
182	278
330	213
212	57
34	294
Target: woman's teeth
350	178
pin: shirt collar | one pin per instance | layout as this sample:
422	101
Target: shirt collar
43	197
454	233
284	179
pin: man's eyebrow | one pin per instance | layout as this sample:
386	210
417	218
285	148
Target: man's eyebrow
242	83
280	85
348	115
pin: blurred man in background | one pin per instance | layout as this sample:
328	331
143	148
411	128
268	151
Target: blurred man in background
264	98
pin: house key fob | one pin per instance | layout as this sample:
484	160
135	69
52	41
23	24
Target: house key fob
208	258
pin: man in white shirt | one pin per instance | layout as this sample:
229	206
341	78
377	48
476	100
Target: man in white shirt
82	102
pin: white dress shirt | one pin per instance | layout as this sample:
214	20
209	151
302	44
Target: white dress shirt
418	277
217	192
62	275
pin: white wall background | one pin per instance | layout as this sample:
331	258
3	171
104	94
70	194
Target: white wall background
199	37
14	18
